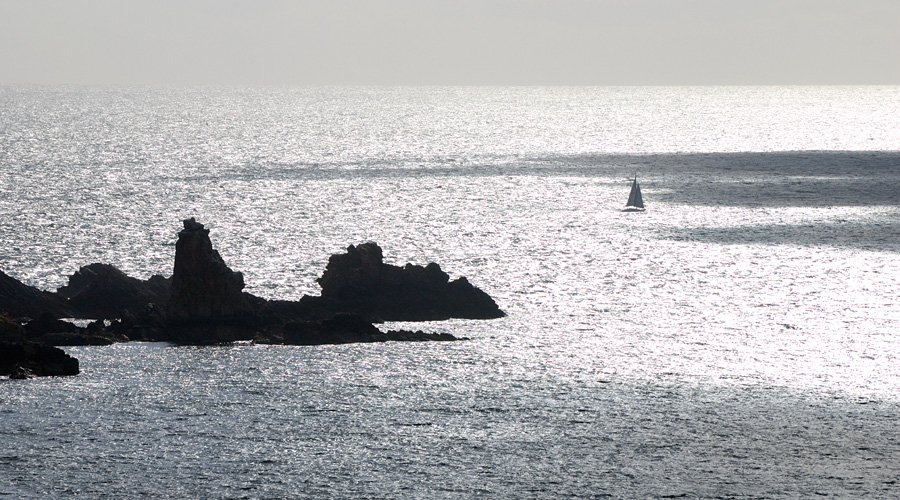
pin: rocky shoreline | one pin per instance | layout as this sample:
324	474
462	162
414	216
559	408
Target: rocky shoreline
203	302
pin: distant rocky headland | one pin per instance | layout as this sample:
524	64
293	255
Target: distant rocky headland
204	302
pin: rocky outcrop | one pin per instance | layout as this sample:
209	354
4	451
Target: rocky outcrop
20	300
101	291
340	329
350	328
11	331
204	302
22	359
360	282
50	331
29	359
204	288
207	302
420	336
48	324
147	324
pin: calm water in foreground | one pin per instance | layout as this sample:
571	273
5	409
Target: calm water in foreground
737	340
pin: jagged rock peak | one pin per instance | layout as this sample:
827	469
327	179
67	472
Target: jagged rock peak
360	282
192	225
103	291
20	300
203	286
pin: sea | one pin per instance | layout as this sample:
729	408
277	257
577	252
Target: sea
738	339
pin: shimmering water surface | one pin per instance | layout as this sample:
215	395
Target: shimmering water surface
737	340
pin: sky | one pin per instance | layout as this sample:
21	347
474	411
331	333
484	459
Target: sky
450	42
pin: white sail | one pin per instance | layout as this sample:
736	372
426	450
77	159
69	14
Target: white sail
634	198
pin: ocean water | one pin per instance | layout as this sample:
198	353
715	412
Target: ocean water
739	339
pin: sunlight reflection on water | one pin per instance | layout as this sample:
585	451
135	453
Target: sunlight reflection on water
738	338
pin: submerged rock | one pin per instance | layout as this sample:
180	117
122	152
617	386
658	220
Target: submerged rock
360	282
102	291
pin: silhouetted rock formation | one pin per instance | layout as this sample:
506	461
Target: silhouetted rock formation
203	287
340	329
48	330
20	300
29	359
419	336
204	302
21	359
102	291
11	331
350	328
359	282
207	303
148	324
48	324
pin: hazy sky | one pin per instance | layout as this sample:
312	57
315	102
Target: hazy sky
504	42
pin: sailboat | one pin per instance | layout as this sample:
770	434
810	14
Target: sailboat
635	201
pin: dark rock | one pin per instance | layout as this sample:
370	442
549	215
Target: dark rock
148	326
204	303
207	304
48	324
269	337
20	300
102	291
73	338
47	330
308	308
24	360
419	336
359	282
350	328
204	289
11	331
341	329
96	327
204	334
20	373
152	315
